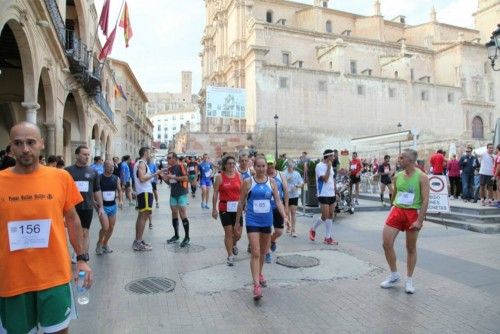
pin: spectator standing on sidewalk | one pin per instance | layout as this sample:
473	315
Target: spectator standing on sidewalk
487	161
438	162
468	164
497	175
411	199
355	176
454	176
295	184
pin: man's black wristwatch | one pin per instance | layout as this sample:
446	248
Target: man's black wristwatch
83	257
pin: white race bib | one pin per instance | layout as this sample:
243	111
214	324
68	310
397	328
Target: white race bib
191	168
353	167
29	234
208	174
261	206
405	198
386	170
83	186
232	206
109	196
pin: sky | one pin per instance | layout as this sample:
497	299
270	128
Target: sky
167	33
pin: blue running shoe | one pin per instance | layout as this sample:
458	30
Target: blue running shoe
269	258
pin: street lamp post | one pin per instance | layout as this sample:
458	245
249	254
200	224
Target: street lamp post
399	130
276	135
493	47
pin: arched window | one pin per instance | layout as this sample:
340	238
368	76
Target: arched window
396	74
269	16
328	26
477	128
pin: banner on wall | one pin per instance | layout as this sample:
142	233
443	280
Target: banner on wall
225	102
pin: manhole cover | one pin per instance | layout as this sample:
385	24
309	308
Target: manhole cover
188	249
150	286
297	261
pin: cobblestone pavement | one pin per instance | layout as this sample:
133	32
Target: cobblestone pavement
457	280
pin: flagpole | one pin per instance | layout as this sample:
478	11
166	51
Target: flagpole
116	24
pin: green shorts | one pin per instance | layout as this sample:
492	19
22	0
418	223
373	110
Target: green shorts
181	200
51	310
192	177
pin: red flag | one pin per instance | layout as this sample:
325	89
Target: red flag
108	46
125	24
103	20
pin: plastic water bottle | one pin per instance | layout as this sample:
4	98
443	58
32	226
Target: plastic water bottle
82	292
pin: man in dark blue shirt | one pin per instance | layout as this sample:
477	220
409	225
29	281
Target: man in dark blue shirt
468	164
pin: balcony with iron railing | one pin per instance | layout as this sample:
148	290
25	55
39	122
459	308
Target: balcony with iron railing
77	52
131	114
103	104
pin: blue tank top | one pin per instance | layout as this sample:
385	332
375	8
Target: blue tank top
259	212
279	183
109	185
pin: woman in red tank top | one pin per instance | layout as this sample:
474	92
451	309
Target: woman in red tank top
227	187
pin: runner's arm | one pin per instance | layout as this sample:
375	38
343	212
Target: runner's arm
285	191
75	233
277	200
120	192
215	196
241	203
424	193
395	190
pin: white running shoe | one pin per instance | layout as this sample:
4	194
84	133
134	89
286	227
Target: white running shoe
391	281
409	288
230	261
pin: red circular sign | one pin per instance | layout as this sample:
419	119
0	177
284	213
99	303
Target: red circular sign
436	184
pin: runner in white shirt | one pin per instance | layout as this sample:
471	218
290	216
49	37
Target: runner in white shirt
326	196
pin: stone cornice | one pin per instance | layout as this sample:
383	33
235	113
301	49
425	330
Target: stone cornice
485	9
349	39
478	103
443	25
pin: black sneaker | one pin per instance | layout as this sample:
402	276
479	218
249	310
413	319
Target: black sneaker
172	240
184	242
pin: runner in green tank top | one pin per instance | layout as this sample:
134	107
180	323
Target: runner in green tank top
410	199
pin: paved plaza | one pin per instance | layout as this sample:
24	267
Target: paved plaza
457	280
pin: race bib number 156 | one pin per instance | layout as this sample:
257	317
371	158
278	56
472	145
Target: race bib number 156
29	234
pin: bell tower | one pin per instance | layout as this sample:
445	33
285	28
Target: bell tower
321	3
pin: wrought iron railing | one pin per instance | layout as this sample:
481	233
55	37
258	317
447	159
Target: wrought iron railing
103	104
131	114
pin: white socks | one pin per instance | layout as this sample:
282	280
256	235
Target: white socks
317	223
329	228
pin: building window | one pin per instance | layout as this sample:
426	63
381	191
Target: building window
328	26
322	87
300	63
396	74
451	98
412	74
182	117
392	92
159	136
174	128
367	72
325	4
159	127
424	95
283	82
285	56
361	90
354	67
173	117
269	16
331	65
477	128
491	91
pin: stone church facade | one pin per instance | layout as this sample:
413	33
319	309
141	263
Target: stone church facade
331	76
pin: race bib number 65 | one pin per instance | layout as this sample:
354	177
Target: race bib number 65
261	206
29	234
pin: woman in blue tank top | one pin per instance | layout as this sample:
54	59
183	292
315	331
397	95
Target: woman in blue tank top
256	194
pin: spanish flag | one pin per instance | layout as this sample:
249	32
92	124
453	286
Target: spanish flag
119	92
125	24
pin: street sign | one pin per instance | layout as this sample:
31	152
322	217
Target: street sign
438	194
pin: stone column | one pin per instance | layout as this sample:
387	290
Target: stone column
31	109
51	139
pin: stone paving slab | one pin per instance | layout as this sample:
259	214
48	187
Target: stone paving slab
354	304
